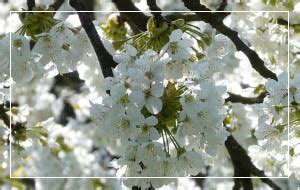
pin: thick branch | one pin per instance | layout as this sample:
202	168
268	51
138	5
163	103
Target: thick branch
105	59
243	166
235	98
153	7
222	5
30	4
216	21
240	161
188	17
138	18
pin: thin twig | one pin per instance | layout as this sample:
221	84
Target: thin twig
139	19
4	116
282	21
217	22
235	98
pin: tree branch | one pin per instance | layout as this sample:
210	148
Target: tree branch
217	22
190	17
4	116
222	5
240	161
30	4
235	98
153	7
105	59
243	166
261	173
139	19
282	21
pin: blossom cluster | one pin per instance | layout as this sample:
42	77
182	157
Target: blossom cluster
165	110
162	115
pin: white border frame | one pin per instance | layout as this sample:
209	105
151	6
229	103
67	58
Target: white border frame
188	177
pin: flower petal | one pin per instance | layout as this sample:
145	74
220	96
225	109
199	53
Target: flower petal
176	35
151	121
130	50
157	89
154	105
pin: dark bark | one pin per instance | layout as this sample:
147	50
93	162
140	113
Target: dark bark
243	166
105	59
235	98
138	18
281	21
30	4
66	113
3	115
154	8
222	5
217	22
69	80
241	162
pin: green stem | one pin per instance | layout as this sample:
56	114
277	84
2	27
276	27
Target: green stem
142	35
144	45
132	37
164	142
172	138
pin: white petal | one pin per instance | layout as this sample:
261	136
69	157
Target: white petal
109	47
151	121
137	97
154	105
121	57
154	135
134	115
21	72
120	69
176	35
135	74
108	83
221	38
130	50
157	89
185	43
117	91
191	161
297	97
